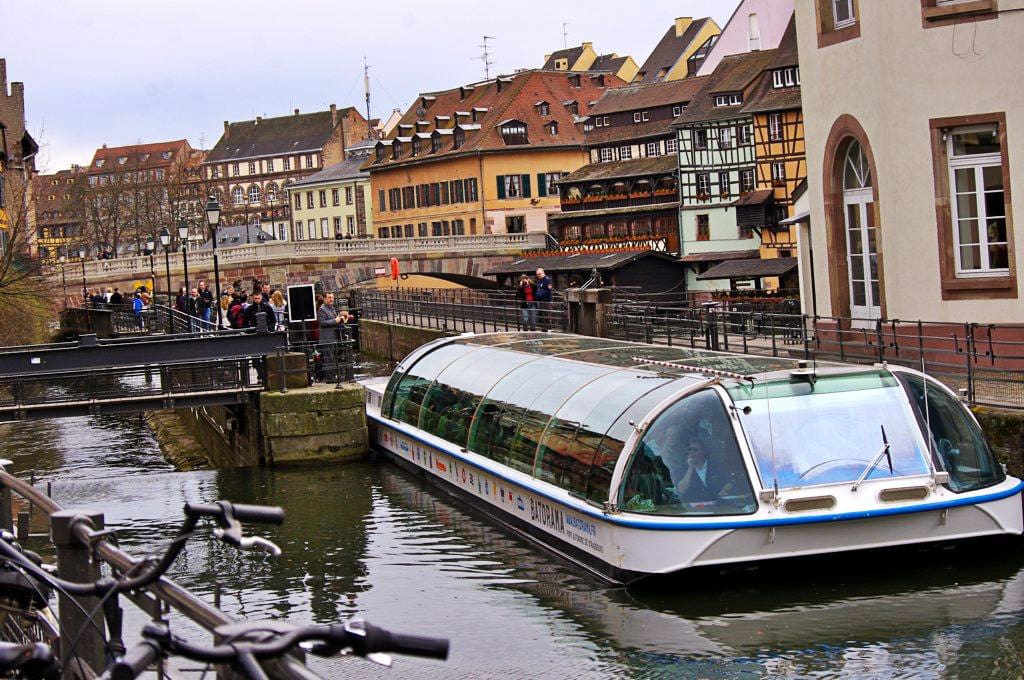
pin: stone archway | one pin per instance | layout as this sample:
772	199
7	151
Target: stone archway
859	207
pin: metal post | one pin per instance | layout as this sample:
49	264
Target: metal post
184	259
167	265
85	292
74	564
64	285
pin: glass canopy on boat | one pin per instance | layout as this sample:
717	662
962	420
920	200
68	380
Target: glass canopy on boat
556	407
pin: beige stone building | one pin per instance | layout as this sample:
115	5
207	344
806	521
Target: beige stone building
914	118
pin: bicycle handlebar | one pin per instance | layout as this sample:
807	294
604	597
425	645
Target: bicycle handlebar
263	514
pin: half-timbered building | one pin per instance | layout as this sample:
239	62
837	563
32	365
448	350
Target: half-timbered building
627	196
718	166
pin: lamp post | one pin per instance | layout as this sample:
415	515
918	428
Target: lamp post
213	221
165	239
85	291
151	247
183	237
63	280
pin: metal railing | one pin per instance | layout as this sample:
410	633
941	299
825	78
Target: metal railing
284	250
80	555
465	311
985	362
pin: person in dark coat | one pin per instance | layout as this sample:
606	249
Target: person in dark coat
116	298
257	306
332	329
705	478
526	294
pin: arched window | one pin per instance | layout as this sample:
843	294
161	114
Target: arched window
254	193
856	172
238	196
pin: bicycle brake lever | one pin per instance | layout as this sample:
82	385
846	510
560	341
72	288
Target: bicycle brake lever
234	537
327	650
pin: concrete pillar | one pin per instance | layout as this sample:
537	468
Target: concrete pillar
74	563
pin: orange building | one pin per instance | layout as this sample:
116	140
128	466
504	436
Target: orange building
483	158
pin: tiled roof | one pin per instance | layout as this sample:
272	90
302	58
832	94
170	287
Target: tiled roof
608	62
602	261
652	165
746	269
239	235
643	96
669	49
570	54
43	188
763	96
272	136
516	101
755	197
350	168
137	156
721	256
618	133
735	73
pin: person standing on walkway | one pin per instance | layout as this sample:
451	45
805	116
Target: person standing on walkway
259	305
223	322
193	307
116	298
331	331
280	308
526	293
208	305
543	290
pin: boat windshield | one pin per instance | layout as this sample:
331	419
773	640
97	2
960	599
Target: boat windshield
832	431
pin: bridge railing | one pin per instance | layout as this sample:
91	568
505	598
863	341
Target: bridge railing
282	250
440	309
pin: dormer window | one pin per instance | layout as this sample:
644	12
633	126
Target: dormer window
459	138
478	113
463	91
574	80
553	128
543	108
143	158
380	152
427	100
786	77
396	151
734	99
99	162
440	121
166	155
598	80
572	106
435	143
415	146
514	132
121	160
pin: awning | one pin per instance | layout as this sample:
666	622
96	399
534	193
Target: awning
799	217
750	269
721	256
759	197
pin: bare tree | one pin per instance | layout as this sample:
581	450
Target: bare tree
20	272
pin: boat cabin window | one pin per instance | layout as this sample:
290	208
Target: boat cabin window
831	431
688	463
956	439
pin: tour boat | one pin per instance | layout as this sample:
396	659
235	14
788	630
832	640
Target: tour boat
633	460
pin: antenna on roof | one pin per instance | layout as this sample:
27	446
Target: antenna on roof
366	88
565	35
486	57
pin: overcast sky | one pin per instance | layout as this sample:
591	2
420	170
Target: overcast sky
128	71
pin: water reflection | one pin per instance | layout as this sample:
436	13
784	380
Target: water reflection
370	540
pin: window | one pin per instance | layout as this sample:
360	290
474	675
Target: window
99	162
238	196
723	184
382	206
734	99
121	160
252	167
458	138
298	201
337	227
350	224
235	170
753	33
543	108
311	225
775	127
607	154
435	228
421	229
383	232
842	14
415	146
553	128
325	230
287	162
703	185
671	145
703	228
299	236
669	473
597	122
700	138
515	224
348	195
746	180
653	149
625	153
514	132
677	111
511	186
744	135
309	200
778	174
951	12
323	198
396	150
975	165
786	77
546	183
270	164
311	160
471	190
725	138
159	175
215	172
254	193
335	197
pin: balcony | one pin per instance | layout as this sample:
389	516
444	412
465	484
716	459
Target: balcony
608	201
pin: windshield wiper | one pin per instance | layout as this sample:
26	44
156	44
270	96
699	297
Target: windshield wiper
876	461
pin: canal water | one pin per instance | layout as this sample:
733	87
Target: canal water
369	540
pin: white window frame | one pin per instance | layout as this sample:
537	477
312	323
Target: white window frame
725	137
311	227
744	135
747	186
350	224
676	111
734	99
653	149
254	193
607	154
625	153
775	127
636	116
671	145
299	232
848	4
645	116
287	163
778	171
513	186
238	196
703	146
549	182
705	179
724	185
977	162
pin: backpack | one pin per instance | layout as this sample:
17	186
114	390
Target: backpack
235	316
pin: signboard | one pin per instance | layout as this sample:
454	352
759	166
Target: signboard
301	303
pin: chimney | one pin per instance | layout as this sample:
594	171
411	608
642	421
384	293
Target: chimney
227	129
3	77
296	112
682	23
104	146
586	45
259	119
334	116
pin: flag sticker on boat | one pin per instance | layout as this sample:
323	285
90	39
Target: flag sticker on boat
440	466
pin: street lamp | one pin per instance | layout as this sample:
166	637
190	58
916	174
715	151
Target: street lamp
85	291
151	247
213	221
183	237
165	239
63	281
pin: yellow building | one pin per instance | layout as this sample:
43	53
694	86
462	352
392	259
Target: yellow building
680	52
483	158
332	203
584	58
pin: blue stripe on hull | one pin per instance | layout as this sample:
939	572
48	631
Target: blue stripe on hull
639	523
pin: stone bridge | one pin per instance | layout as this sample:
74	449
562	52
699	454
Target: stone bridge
335	264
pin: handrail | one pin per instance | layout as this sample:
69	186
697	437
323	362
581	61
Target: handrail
188	604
